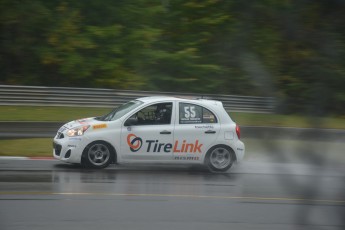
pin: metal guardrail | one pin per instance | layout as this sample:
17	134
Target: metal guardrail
90	97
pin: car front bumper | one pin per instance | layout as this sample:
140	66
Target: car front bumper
68	149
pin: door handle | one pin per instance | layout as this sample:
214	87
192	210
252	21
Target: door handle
165	132
210	132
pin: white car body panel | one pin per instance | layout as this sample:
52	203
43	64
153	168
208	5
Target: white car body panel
179	143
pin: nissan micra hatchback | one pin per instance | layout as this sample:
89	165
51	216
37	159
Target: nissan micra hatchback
154	130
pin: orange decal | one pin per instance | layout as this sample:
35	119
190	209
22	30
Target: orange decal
130	141
100	126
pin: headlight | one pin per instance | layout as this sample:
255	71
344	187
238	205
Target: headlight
79	131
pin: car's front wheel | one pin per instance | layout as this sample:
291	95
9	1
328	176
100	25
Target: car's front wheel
220	158
98	154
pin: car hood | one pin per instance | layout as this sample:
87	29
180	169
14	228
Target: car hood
81	122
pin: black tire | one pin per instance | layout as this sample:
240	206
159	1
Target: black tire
220	158
97	155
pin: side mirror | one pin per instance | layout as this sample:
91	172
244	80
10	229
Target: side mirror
131	121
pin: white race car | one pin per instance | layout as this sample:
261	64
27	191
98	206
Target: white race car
154	130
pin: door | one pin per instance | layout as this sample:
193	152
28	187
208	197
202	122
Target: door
147	135
196	129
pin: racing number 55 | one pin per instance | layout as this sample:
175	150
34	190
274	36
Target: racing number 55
189	111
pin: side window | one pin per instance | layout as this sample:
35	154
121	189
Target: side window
193	114
208	116
157	114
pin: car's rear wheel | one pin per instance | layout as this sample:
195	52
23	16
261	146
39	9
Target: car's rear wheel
98	154
220	158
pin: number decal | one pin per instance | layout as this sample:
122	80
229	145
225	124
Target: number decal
192	111
186	112
189	112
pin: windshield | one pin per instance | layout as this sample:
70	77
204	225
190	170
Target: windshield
120	111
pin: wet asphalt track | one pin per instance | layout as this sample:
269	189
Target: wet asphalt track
253	195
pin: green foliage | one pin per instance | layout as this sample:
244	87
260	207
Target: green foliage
292	50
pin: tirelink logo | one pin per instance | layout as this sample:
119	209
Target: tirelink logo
135	143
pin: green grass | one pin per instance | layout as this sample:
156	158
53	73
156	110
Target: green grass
48	113
64	114
33	147
277	120
43	146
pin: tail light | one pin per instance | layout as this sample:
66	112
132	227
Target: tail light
238	132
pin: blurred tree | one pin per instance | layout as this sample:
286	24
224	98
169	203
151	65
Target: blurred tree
292	50
62	55
23	26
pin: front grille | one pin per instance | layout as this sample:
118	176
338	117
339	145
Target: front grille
68	154
57	149
60	135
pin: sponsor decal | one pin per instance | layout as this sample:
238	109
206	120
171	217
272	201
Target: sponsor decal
239	149
135	143
204	127
184	158
208	117
100	126
187	147
83	121
71	146
75	139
